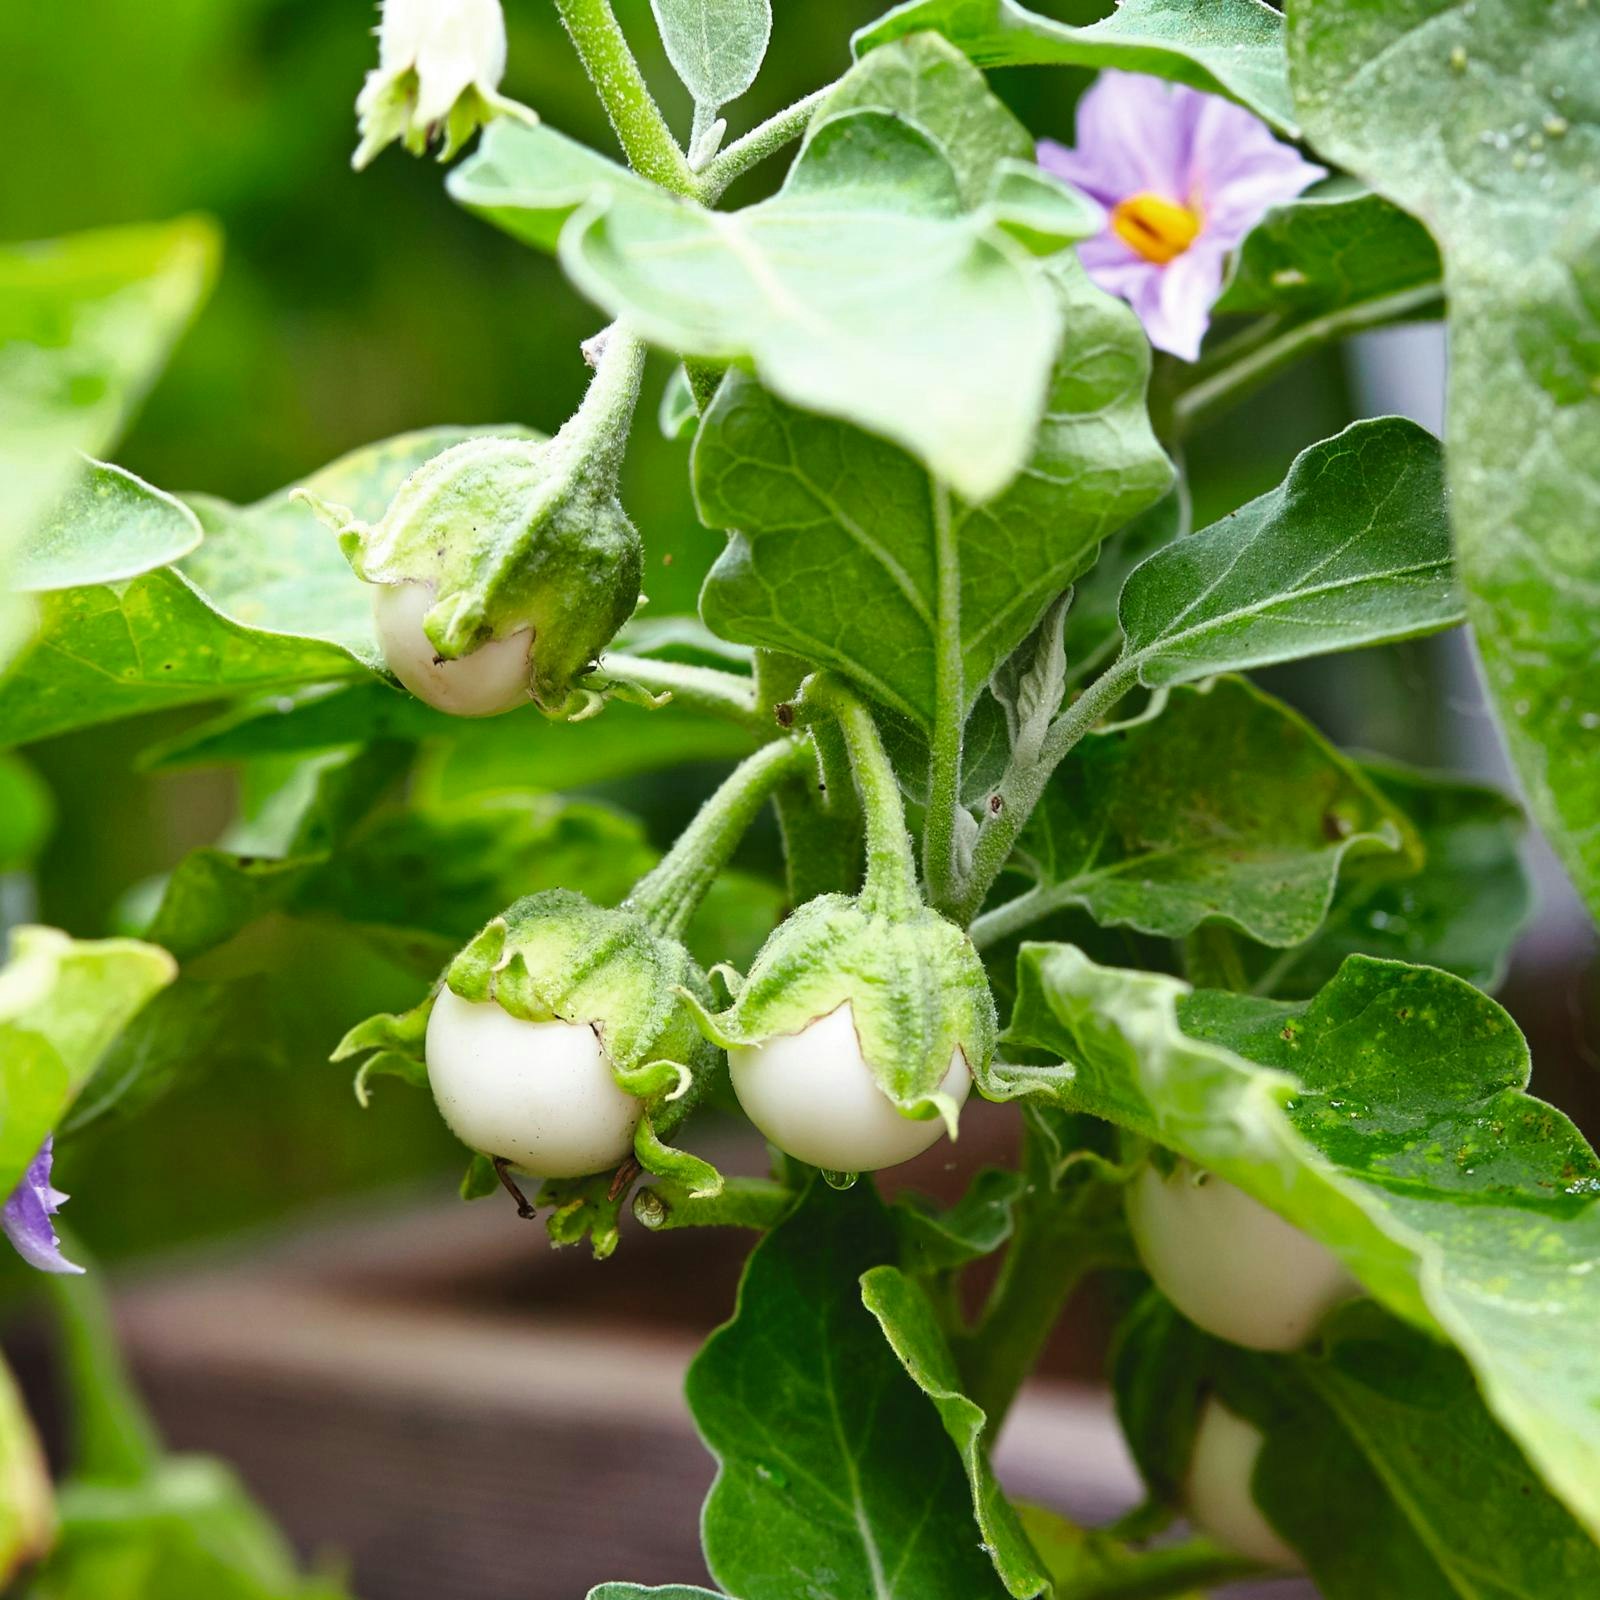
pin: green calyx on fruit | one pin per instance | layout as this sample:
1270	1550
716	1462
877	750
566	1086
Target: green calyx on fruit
513	560
915	994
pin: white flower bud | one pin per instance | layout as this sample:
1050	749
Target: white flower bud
1217	1493
539	1094
814	1096
492	679
439	65
1229	1264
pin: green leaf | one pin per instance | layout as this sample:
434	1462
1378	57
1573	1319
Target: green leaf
1351	549
864	289
266	601
1510	194
831	1460
27	813
1230	47
934	89
845	553
1227	805
62	1002
523	749
715	46
632	1591
1336	249
913	1332
1387	1118
108	526
1093	629
189	1532
934	1241
1379	1462
1462	909
86	322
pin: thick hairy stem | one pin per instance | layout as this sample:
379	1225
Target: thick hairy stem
1013	802
646	139
669	895
1261	353
754	147
818	812
727	695
943	873
600	426
890	884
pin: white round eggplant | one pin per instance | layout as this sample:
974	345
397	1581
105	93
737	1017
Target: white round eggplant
813	1095
1229	1264
539	1094
493	679
1217	1493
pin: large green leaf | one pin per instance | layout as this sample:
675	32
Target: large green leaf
86	322
1231	47
109	525
1338	249
1351	549
523	749
912	1329
833	1468
1227	805
1461	908
1388	1118
846	553
266	601
1484	120
1379	1462
62	1002
866	289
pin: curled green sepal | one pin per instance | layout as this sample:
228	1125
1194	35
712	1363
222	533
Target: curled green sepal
512	536
555	956
915	985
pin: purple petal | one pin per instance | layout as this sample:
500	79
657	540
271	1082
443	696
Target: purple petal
1133	136
26	1216
1238	171
1180	312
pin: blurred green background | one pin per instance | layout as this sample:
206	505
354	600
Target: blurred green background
350	308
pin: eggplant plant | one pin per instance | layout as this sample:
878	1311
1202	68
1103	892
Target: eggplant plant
1044	840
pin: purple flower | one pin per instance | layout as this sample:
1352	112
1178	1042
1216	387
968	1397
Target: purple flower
26	1217
1183	177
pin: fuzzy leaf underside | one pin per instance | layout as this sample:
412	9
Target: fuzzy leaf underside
1484	122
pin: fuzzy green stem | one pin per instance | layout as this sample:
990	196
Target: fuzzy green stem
890	885
757	1203
939	865
599	428
752	148
1168	1572
1259	354
646	139
1013	802
726	695
818	811
668	896
1212	959
113	1438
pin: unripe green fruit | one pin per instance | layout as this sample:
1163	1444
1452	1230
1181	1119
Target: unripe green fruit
1229	1264
1217	1492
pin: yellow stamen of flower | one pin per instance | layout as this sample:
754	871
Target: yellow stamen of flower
1157	228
